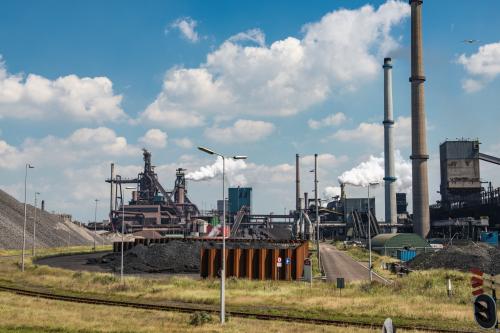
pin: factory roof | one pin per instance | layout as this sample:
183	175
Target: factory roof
400	240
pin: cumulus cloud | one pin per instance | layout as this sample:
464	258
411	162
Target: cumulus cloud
82	144
185	143
331	120
241	131
372	170
373	133
187	28
154	138
483	66
36	97
336	54
331	191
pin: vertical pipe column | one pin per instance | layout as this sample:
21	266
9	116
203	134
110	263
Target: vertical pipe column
297	195
419	156
250	253
211	262
288	271
236	263
112	194
262	263
390	179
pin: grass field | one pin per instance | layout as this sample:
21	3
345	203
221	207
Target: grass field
419	298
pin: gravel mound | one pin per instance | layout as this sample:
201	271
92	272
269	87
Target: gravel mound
463	258
174	257
51	230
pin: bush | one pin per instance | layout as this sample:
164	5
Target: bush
200	318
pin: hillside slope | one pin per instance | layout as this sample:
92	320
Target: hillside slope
51	230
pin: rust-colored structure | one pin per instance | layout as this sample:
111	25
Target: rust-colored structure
256	260
245	258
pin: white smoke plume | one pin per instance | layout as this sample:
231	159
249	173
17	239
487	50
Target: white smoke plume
372	171
331	191
233	167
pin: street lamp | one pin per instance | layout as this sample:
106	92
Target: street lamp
95	223
28	166
123	233
223	255
34	228
316	206
369	227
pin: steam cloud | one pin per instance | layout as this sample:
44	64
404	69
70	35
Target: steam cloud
233	167
372	170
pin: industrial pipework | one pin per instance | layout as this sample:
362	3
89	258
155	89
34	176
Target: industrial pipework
419	156
390	179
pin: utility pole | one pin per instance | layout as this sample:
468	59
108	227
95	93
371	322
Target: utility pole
27	166
317	208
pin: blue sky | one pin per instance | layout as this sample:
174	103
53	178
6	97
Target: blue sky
82	83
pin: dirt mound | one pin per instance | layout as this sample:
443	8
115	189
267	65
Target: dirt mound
174	257
463	258
51	230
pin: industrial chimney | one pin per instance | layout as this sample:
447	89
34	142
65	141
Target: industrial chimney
419	156
298	215
390	179
112	194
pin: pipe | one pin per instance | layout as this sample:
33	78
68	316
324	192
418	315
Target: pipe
298	215
390	179
112	193
419	156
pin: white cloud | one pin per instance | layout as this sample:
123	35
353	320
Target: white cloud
154	138
483	66
331	191
241	131
36	97
327	161
339	53
185	143
331	120
372	170
253	35
186	27
82	144
373	133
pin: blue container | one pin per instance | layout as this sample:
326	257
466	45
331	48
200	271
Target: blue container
490	237
406	255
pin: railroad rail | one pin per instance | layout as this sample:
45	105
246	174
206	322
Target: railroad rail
189	308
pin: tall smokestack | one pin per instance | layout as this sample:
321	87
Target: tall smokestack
112	192
390	185
297	183
419	156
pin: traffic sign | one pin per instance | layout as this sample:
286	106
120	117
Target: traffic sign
279	259
484	282
485	311
278	264
288	261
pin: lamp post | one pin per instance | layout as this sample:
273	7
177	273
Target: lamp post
223	255
34	228
28	166
123	233
316	206
95	223
369	227
369	231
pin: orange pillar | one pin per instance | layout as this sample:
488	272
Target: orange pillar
274	266
288	268
250	253
211	263
262	263
236	262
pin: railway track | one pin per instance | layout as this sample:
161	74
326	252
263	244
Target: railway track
190	308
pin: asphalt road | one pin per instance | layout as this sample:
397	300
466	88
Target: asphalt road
337	263
75	262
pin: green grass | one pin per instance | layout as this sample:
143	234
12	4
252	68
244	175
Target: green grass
419	298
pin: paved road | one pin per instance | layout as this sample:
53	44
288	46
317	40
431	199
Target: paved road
337	263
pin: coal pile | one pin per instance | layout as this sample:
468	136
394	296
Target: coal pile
172	257
462	258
